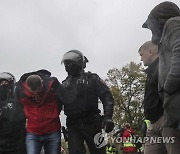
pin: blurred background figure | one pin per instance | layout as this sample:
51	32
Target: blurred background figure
129	146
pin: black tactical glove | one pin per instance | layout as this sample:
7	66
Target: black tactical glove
107	124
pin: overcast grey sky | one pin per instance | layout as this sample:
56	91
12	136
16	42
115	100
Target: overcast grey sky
35	34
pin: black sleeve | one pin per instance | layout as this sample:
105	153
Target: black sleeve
18	91
105	96
59	92
173	77
1	110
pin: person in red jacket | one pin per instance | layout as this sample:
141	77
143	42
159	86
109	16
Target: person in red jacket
128	145
41	96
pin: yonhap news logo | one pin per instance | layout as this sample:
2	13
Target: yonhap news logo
101	139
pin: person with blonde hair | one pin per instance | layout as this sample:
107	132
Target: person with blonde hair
153	105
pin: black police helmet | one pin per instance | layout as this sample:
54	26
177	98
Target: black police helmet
75	56
7	76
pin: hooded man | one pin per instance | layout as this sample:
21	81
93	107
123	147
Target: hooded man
164	23
41	96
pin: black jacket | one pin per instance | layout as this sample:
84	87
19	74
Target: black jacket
82	94
153	105
12	125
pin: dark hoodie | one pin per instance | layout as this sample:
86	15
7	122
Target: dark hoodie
164	11
168	14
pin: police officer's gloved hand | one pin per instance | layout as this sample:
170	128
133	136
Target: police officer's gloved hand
107	124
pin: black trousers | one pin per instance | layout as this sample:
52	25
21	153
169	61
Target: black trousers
14	152
21	150
78	133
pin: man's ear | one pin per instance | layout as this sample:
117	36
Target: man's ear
151	52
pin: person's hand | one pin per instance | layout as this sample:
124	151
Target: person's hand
107	124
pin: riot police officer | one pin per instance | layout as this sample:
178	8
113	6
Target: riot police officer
12	119
82	91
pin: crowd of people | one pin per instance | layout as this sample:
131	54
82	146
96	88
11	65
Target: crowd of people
30	108
40	98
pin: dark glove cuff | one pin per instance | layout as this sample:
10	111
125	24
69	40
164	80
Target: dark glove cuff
108	114
109	125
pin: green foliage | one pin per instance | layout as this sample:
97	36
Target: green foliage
127	86
64	145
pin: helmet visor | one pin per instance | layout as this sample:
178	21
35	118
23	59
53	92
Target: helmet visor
7	76
71	56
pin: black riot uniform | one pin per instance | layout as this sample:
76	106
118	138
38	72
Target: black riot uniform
12	119
82	91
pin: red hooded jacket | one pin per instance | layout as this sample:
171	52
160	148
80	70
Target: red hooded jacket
42	111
